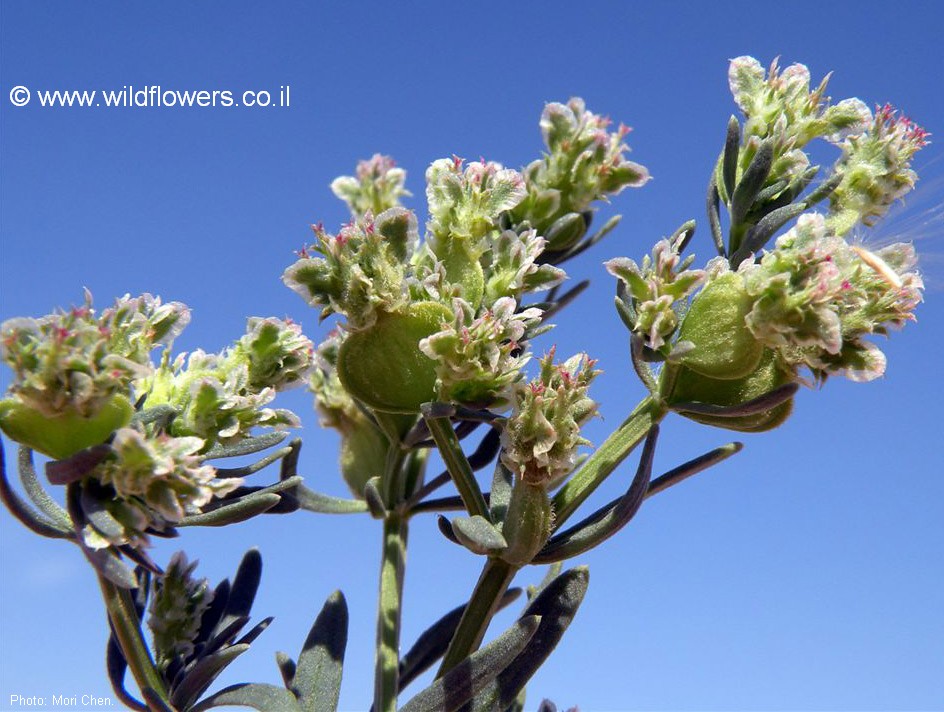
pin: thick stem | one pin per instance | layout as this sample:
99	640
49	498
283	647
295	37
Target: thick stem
607	458
386	681
491	586
127	629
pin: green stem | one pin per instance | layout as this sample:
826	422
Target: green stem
458	465
386	681
127	629
607	458
494	581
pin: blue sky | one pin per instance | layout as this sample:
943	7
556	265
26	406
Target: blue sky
804	574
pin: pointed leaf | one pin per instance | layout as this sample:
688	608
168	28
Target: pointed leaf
433	642
500	495
693	467
751	182
607	521
34	489
286	667
247	446
729	160
27	516
202	675
243	591
239	511
760	404
317	680
556	605
460	684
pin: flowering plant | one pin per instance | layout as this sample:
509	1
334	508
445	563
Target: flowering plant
431	344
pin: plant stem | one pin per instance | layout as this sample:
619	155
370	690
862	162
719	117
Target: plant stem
494	581
127	629
386	681
458	465
607	457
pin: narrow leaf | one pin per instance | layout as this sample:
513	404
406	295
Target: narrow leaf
239	511
265	698
202	675
714	216
432	643
247	446
35	491
607	521
693	467
751	182
760	404
556	606
464	681
27	516
325	504
729	160
317	679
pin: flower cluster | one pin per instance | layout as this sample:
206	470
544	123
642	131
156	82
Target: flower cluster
585	163
876	169
76	361
153	482
816	298
541	436
221	397
443	319
360	270
178	602
376	186
657	288
479	357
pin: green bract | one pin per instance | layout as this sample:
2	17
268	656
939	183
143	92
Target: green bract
723	345
693	387
66	433
382	366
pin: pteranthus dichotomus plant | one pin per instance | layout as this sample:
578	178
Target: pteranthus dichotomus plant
432	347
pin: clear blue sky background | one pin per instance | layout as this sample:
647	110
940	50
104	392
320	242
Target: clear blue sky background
804	574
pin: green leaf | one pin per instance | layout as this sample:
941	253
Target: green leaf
480	669
751	182
247	446
202	675
608	520
326	504
556	606
433	642
265	698
317	679
729	161
239	511
478	535
35	491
